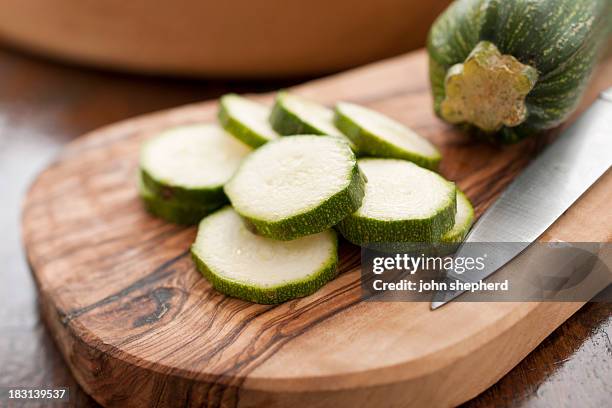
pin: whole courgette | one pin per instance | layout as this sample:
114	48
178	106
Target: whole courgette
511	68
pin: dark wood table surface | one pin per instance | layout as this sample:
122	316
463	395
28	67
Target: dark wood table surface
44	105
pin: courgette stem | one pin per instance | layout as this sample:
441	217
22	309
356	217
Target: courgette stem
488	89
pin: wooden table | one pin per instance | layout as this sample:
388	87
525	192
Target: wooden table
44	105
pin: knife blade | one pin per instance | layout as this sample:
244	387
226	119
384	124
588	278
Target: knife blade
540	194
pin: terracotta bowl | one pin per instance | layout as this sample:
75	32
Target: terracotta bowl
227	38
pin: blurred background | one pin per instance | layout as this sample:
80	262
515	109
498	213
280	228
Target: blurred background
232	38
70	66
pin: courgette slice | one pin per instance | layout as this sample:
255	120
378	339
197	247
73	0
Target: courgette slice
463	220
403	204
246	120
174	211
296	186
241	264
377	135
191	163
295	115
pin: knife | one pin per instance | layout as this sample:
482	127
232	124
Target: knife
540	194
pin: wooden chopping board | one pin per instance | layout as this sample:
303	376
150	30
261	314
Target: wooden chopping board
139	326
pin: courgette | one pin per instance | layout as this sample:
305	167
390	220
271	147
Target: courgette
296	186
377	135
242	264
509	69
295	115
177	212
246	120
403	204
191	163
463	220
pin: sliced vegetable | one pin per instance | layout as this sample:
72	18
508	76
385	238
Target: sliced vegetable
377	135
463	220
403	203
246	120
508	69
294	115
296	186
174	211
191	163
258	269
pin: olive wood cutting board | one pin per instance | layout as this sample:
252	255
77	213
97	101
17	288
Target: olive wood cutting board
139	326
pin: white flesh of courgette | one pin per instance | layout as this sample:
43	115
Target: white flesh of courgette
193	157
247	120
297	185
245	265
378	135
398	190
316	115
403	203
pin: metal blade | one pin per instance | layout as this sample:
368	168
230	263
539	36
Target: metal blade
542	192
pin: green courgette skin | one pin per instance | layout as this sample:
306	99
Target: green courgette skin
238	129
176	214
370	145
400	235
458	232
562	39
207	197
275	294
174	211
287	123
323	217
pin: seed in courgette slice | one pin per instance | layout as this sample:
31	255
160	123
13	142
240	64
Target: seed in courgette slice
246	120
463	220
191	163
404	204
174	211
377	135
296	186
295	115
241	264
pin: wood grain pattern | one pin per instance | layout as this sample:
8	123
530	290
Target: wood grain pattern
137	324
42	107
